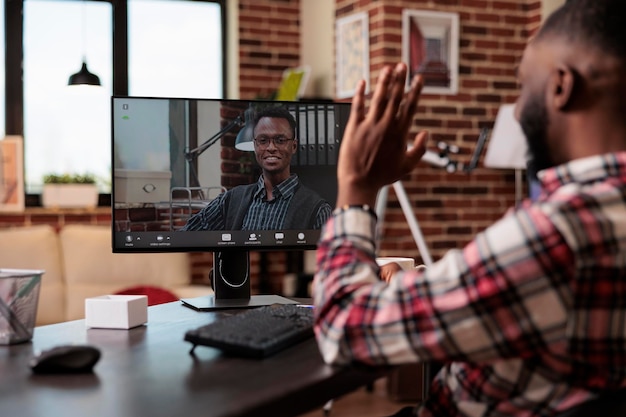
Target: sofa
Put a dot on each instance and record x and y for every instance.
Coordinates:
(79, 263)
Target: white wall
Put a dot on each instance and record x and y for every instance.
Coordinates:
(232, 49)
(548, 6)
(317, 19)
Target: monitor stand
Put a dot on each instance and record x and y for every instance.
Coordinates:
(231, 286)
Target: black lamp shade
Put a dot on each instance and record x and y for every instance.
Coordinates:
(245, 138)
(84, 77)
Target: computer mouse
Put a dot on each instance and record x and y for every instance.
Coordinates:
(66, 359)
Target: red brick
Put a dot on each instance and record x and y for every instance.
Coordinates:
(507, 5)
(479, 4)
(502, 32)
(516, 19)
(487, 17)
(474, 83)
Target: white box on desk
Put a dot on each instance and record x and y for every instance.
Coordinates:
(116, 311)
(136, 186)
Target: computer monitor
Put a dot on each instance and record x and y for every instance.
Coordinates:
(180, 163)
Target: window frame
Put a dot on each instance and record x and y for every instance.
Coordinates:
(14, 51)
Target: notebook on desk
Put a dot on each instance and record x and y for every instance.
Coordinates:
(210, 303)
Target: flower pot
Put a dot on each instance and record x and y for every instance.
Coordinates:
(69, 195)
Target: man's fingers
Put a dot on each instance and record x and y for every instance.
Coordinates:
(417, 83)
(415, 153)
(396, 93)
(358, 102)
(379, 99)
(409, 106)
(419, 146)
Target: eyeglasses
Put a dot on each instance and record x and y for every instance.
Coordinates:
(264, 141)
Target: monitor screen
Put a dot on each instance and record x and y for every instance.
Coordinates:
(225, 176)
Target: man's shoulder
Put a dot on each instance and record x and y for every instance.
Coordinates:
(305, 192)
(236, 194)
(240, 189)
(310, 198)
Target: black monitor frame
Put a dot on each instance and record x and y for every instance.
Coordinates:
(320, 127)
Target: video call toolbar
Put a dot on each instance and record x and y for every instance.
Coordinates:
(172, 240)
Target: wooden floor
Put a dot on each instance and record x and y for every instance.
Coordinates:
(363, 403)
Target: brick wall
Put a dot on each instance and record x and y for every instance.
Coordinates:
(269, 42)
(452, 207)
(56, 218)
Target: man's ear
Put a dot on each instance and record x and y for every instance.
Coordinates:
(561, 87)
(295, 146)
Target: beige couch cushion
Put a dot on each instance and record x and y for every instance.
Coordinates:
(91, 269)
(37, 247)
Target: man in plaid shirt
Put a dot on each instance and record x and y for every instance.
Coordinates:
(529, 319)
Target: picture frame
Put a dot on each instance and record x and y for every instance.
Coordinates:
(11, 174)
(430, 46)
(352, 49)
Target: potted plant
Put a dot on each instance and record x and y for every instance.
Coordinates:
(69, 191)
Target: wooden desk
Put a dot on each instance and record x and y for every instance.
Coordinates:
(148, 371)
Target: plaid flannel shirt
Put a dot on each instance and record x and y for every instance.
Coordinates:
(529, 318)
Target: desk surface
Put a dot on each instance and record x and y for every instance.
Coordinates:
(148, 371)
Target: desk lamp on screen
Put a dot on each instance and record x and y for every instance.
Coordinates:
(169, 153)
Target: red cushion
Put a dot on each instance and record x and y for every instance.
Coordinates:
(156, 295)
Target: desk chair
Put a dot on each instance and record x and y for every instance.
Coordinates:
(429, 371)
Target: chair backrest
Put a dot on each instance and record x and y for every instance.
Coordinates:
(606, 405)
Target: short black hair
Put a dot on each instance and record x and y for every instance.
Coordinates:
(279, 112)
(600, 24)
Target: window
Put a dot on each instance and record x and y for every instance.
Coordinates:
(188, 55)
(165, 48)
(66, 128)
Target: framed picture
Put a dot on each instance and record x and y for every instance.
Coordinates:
(352, 50)
(430, 46)
(11, 174)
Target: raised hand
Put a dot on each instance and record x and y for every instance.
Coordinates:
(374, 151)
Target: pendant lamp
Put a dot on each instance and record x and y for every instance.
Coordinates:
(84, 77)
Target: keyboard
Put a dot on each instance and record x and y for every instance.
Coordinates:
(256, 333)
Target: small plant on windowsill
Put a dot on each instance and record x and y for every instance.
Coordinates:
(69, 179)
(69, 191)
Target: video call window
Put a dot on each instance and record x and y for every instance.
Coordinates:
(173, 157)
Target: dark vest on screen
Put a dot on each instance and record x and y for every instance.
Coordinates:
(301, 213)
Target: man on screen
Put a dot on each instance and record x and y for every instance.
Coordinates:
(277, 200)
